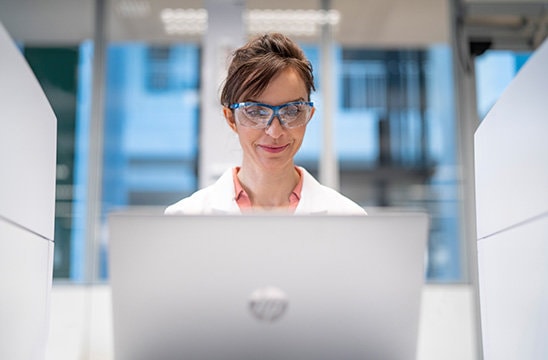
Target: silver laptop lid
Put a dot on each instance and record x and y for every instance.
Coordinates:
(266, 287)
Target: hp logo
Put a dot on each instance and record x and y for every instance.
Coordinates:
(268, 304)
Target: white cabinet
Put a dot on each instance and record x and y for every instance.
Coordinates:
(25, 279)
(28, 131)
(27, 202)
(513, 268)
(511, 150)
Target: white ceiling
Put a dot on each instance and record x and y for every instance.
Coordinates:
(382, 23)
(364, 23)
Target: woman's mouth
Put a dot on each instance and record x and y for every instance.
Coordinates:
(273, 148)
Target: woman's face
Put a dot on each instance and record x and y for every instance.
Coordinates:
(272, 148)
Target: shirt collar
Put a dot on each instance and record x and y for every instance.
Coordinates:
(244, 202)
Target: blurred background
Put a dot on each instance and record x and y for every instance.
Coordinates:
(393, 107)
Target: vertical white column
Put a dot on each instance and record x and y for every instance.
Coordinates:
(96, 135)
(219, 146)
(467, 123)
(329, 166)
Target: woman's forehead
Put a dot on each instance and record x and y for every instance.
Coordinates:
(285, 86)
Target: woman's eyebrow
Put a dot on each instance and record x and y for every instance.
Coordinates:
(262, 102)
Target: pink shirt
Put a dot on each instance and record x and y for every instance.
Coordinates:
(244, 202)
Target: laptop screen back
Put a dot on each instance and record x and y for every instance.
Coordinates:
(266, 287)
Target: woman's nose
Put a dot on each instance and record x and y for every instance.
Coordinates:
(275, 129)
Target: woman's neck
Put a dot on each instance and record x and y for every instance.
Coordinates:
(269, 189)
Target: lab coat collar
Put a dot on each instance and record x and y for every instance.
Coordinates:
(308, 201)
(223, 204)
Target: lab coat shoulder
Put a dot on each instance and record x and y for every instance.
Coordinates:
(320, 199)
(216, 198)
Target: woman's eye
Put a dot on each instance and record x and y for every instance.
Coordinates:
(292, 111)
(256, 112)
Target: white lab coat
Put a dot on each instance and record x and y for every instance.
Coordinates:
(219, 198)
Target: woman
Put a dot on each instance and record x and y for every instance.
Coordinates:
(266, 102)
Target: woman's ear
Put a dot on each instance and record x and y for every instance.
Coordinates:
(229, 117)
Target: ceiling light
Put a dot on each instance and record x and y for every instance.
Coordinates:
(133, 9)
(184, 21)
(290, 22)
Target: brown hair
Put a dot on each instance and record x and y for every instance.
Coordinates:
(255, 64)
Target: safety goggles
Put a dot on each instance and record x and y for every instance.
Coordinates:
(260, 116)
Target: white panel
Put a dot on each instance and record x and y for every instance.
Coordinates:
(447, 325)
(512, 151)
(514, 292)
(25, 283)
(70, 315)
(224, 34)
(27, 144)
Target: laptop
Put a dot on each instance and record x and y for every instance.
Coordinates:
(268, 287)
